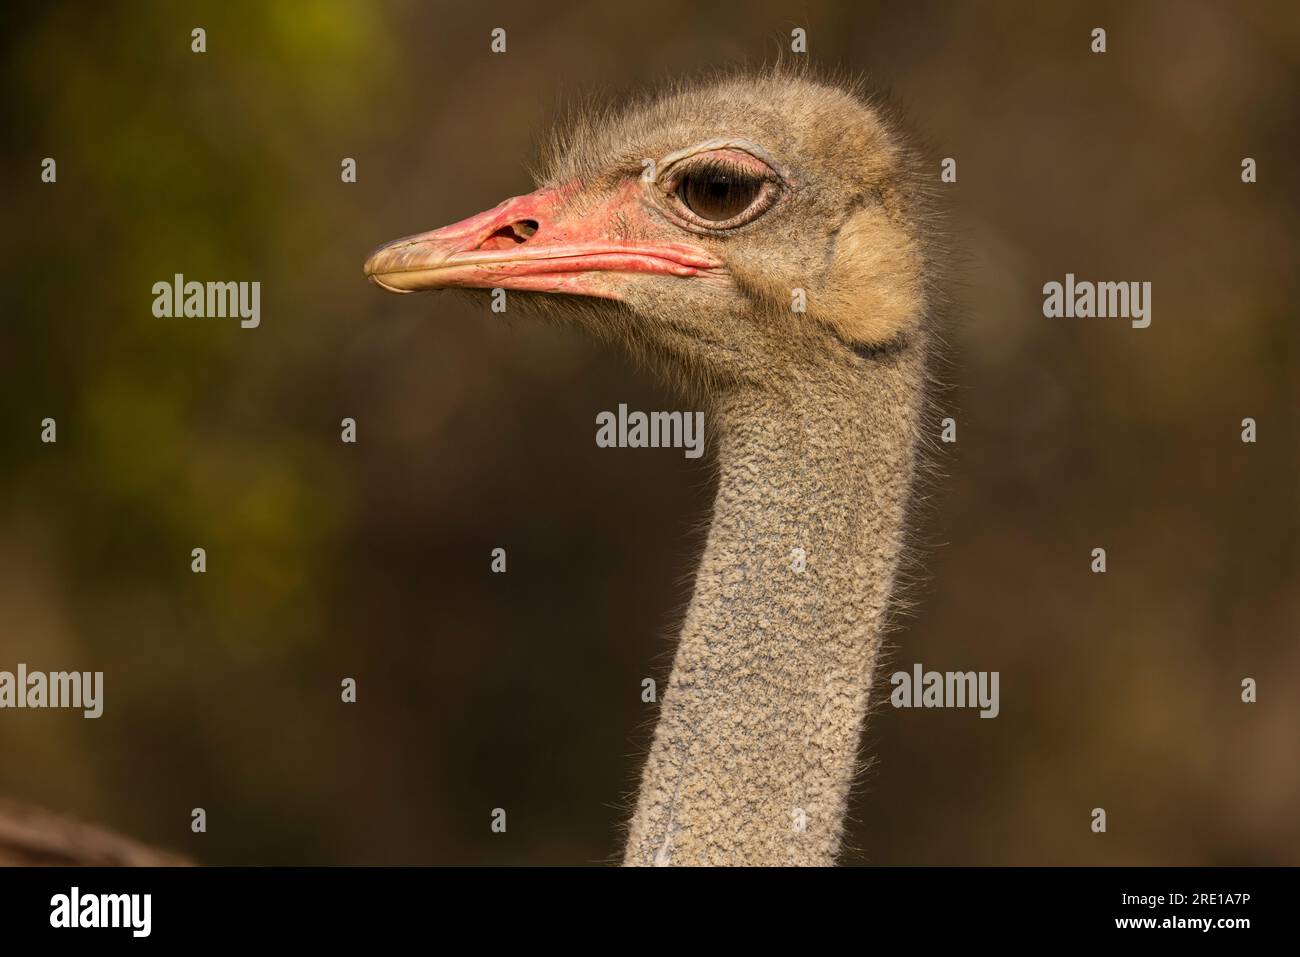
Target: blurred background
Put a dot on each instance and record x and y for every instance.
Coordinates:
(522, 691)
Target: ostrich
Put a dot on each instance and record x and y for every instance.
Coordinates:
(762, 241)
(33, 837)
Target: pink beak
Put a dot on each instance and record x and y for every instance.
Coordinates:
(534, 243)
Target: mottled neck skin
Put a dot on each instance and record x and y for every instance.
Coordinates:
(757, 742)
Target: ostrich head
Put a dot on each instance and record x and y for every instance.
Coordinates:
(760, 240)
(738, 231)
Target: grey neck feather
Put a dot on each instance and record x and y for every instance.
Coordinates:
(757, 742)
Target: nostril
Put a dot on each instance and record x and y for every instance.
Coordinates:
(512, 234)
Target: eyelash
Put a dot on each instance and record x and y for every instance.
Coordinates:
(717, 167)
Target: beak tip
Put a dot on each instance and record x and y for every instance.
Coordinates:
(385, 286)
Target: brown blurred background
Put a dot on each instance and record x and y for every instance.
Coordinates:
(522, 690)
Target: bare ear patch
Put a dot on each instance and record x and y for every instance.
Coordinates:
(871, 197)
(872, 288)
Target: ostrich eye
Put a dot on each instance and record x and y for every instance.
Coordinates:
(717, 195)
(714, 191)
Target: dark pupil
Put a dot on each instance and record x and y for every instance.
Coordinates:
(717, 196)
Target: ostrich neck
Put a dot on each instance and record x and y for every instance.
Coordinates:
(757, 742)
